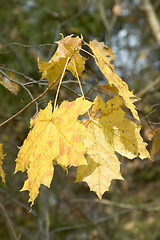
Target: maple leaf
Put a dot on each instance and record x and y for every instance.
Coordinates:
(2, 174)
(55, 136)
(112, 77)
(103, 165)
(123, 134)
(68, 47)
(109, 133)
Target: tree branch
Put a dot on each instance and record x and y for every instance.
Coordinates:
(109, 25)
(144, 207)
(148, 87)
(152, 19)
(9, 223)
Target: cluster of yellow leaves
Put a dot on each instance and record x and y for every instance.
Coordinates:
(2, 174)
(109, 133)
(90, 145)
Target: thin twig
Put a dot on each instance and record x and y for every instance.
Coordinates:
(25, 45)
(28, 105)
(152, 19)
(22, 85)
(12, 199)
(19, 236)
(18, 58)
(19, 83)
(105, 20)
(53, 48)
(108, 24)
(9, 223)
(26, 234)
(146, 207)
(19, 73)
(148, 87)
(43, 216)
(79, 82)
(99, 221)
(75, 16)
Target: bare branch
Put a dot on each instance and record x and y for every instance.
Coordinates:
(34, 100)
(99, 221)
(27, 46)
(9, 223)
(22, 85)
(19, 73)
(146, 207)
(17, 56)
(28, 105)
(152, 19)
(14, 200)
(148, 87)
(107, 24)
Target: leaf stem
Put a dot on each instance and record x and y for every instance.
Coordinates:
(55, 101)
(79, 82)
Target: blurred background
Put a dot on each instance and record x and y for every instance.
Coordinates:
(69, 211)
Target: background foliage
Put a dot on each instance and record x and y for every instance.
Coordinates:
(130, 209)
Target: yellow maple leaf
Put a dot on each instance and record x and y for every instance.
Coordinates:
(103, 165)
(55, 136)
(123, 134)
(2, 174)
(112, 77)
(68, 47)
(109, 133)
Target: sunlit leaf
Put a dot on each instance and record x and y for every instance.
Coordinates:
(123, 134)
(112, 77)
(55, 135)
(108, 134)
(103, 165)
(68, 47)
